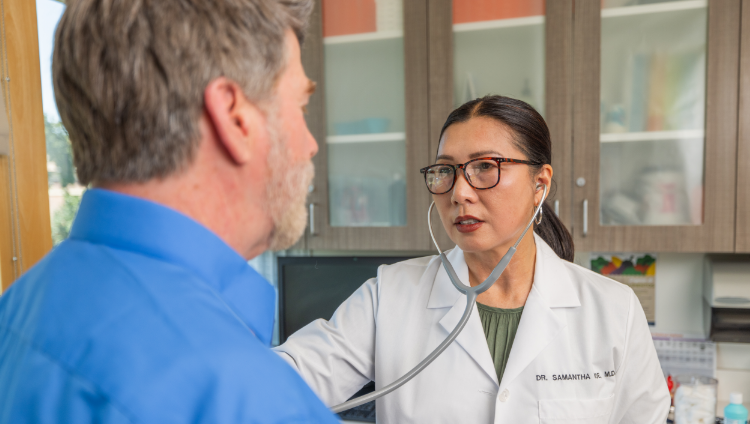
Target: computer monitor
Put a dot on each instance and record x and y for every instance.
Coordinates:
(313, 287)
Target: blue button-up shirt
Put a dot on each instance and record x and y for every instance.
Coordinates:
(144, 316)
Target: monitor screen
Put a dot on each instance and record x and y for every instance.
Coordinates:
(313, 287)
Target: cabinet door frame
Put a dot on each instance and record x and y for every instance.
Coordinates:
(25, 230)
(415, 235)
(440, 47)
(742, 243)
(558, 64)
(716, 234)
(559, 103)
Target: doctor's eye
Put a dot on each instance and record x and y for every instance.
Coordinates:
(483, 167)
(444, 171)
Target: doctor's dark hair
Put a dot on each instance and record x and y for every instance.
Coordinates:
(531, 137)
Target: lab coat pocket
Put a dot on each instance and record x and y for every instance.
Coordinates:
(575, 411)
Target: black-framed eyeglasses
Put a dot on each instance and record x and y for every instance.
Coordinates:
(480, 173)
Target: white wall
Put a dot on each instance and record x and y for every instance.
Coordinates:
(679, 293)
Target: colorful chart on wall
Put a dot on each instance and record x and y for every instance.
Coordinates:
(636, 270)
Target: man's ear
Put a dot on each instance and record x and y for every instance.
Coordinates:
(238, 122)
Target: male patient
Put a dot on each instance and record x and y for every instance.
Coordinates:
(186, 118)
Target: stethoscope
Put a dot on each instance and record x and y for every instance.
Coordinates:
(471, 298)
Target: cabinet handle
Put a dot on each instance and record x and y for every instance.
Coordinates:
(557, 208)
(312, 219)
(585, 217)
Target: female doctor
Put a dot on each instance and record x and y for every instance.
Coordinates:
(549, 342)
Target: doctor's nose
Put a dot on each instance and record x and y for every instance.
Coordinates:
(462, 191)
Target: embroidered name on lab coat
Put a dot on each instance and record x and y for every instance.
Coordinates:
(559, 377)
(556, 377)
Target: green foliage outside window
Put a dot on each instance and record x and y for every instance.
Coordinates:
(62, 175)
(59, 152)
(63, 218)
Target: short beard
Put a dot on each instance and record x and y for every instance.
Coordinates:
(286, 193)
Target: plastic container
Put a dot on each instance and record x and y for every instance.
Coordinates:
(735, 413)
(695, 399)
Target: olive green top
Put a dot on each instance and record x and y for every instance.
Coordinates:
(500, 326)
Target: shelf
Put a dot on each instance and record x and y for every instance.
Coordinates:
(648, 9)
(651, 136)
(365, 138)
(500, 23)
(363, 37)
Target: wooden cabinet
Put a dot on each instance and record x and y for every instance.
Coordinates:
(642, 103)
(522, 53)
(449, 56)
(742, 240)
(369, 115)
(654, 153)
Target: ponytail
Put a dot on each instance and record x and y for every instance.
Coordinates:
(531, 136)
(554, 233)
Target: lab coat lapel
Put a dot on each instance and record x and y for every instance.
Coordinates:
(444, 295)
(542, 319)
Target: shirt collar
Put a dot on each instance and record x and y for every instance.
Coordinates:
(133, 224)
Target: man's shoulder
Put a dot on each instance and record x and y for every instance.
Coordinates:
(32, 384)
(149, 336)
(115, 304)
(79, 285)
(66, 275)
(223, 384)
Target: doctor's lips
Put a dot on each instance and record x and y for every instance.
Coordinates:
(467, 223)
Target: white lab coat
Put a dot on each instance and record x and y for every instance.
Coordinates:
(583, 352)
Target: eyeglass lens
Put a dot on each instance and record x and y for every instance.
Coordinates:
(480, 174)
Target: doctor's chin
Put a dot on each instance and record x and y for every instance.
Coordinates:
(374, 211)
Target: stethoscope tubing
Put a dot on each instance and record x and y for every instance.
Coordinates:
(471, 297)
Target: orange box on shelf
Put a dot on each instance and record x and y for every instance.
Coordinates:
(342, 17)
(489, 10)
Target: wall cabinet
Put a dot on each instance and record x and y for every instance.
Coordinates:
(369, 116)
(642, 101)
(522, 52)
(655, 125)
(742, 240)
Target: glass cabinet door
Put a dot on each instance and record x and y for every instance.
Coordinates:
(498, 48)
(508, 48)
(652, 112)
(370, 118)
(364, 101)
(655, 124)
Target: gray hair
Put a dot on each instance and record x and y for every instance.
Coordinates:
(129, 75)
